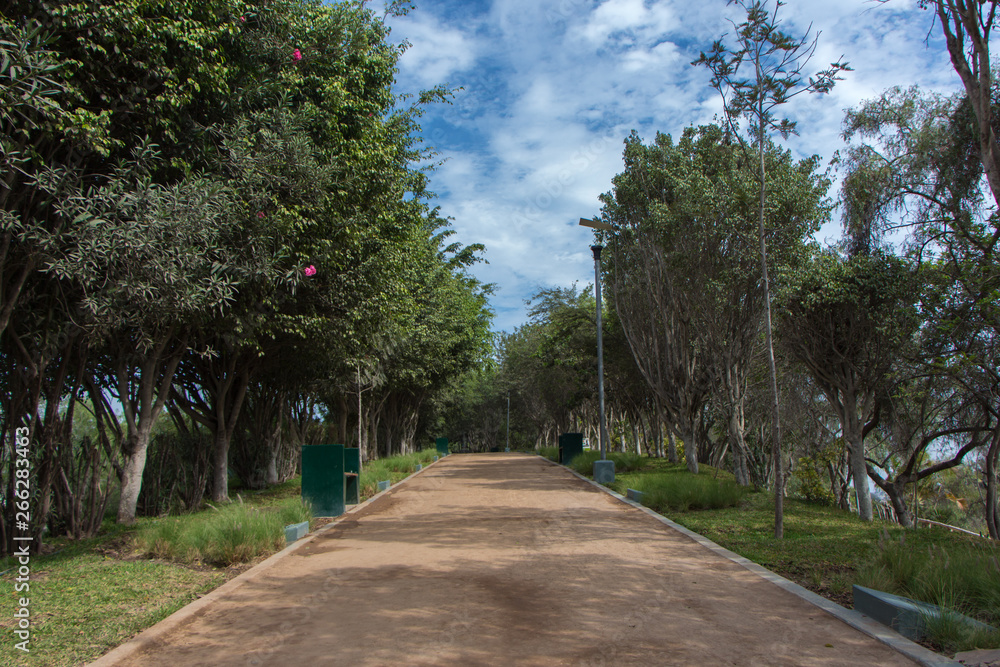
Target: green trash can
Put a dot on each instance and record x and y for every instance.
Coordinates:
(352, 475)
(442, 446)
(323, 479)
(570, 446)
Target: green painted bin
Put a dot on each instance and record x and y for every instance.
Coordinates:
(442, 446)
(323, 479)
(570, 446)
(352, 475)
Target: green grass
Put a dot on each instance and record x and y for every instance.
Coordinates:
(394, 469)
(826, 550)
(624, 461)
(688, 492)
(230, 535)
(84, 603)
(551, 453)
(963, 576)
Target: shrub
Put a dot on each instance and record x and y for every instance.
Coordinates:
(233, 534)
(683, 492)
(624, 461)
(810, 483)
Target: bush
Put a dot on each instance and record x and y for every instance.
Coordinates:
(683, 492)
(624, 461)
(810, 483)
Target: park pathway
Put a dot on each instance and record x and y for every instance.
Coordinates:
(501, 559)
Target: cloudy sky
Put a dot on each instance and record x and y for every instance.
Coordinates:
(551, 88)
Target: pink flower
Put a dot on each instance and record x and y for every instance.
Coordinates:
(243, 19)
(296, 55)
(260, 214)
(310, 270)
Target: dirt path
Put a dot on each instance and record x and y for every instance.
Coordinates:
(504, 559)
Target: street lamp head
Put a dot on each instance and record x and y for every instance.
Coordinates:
(596, 224)
(596, 249)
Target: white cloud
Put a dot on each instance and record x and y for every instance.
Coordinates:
(553, 88)
(437, 51)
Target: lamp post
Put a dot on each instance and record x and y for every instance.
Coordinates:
(606, 467)
(508, 421)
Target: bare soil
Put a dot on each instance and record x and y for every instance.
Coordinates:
(503, 559)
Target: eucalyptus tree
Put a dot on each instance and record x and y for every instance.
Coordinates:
(778, 61)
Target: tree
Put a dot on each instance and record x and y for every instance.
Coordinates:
(915, 161)
(778, 62)
(847, 321)
(682, 268)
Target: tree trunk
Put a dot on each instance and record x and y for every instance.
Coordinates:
(992, 507)
(690, 450)
(738, 449)
(897, 496)
(135, 463)
(851, 423)
(220, 466)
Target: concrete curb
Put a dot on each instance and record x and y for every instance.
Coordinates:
(856, 620)
(153, 633)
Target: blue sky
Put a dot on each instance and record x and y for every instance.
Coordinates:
(551, 88)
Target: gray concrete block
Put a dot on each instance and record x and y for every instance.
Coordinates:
(903, 615)
(382, 486)
(604, 471)
(419, 467)
(296, 531)
(632, 494)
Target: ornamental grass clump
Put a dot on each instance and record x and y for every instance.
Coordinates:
(225, 536)
(963, 578)
(681, 493)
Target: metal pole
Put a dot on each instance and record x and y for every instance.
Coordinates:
(600, 349)
(508, 421)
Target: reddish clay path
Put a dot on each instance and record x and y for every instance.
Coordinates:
(503, 559)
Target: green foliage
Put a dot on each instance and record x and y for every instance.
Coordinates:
(964, 577)
(236, 533)
(551, 453)
(624, 461)
(810, 479)
(393, 468)
(683, 492)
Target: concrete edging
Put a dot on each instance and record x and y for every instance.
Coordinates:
(153, 633)
(856, 620)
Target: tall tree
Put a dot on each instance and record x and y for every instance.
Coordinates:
(915, 162)
(778, 61)
(847, 321)
(682, 267)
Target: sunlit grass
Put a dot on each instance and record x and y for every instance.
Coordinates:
(232, 534)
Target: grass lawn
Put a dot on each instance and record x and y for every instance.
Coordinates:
(88, 597)
(827, 550)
